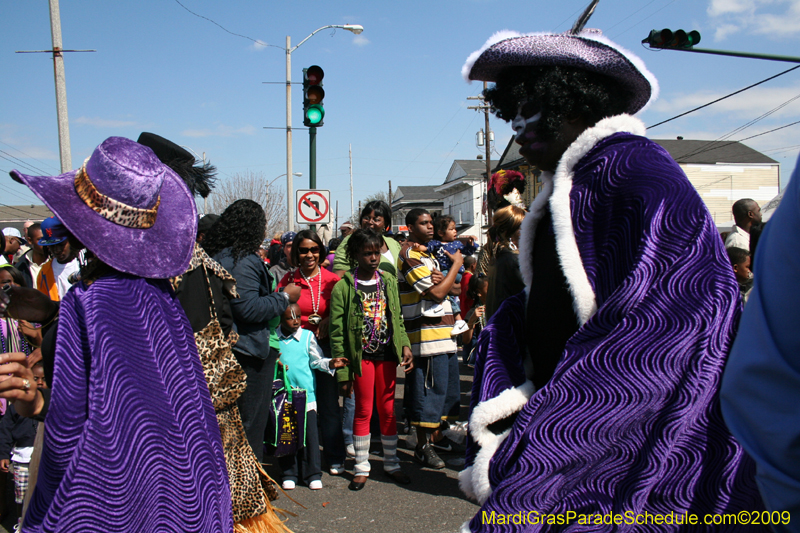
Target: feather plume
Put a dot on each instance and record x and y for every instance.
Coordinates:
(583, 19)
(199, 178)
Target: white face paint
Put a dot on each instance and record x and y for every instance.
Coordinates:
(520, 123)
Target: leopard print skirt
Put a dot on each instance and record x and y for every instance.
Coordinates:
(252, 510)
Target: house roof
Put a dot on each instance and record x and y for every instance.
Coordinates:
(416, 193)
(712, 152)
(15, 216)
(472, 168)
(511, 156)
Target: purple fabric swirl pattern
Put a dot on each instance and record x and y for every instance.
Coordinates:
(631, 419)
(132, 440)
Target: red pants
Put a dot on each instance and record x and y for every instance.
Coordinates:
(375, 384)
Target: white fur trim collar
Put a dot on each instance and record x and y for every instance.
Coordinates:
(556, 191)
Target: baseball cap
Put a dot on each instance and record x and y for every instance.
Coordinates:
(288, 237)
(53, 232)
(14, 232)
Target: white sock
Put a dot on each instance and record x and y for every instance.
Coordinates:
(361, 444)
(390, 460)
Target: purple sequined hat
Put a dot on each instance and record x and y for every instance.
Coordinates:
(126, 206)
(587, 50)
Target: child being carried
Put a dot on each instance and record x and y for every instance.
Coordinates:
(444, 228)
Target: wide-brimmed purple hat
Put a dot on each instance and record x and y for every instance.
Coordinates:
(587, 50)
(127, 207)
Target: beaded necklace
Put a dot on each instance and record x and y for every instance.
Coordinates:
(6, 341)
(371, 343)
(314, 319)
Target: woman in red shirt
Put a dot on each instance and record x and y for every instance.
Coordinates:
(316, 284)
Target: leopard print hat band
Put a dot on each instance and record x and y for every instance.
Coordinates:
(110, 209)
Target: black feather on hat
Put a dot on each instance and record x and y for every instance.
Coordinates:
(199, 178)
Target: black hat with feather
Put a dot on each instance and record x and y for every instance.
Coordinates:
(198, 176)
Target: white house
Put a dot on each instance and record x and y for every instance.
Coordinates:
(463, 195)
(723, 172)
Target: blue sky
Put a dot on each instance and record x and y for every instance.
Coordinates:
(394, 92)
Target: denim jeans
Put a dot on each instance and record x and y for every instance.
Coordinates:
(254, 403)
(349, 416)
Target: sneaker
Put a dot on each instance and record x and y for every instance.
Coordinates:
(446, 445)
(315, 485)
(426, 456)
(336, 470)
(351, 450)
(288, 484)
(459, 328)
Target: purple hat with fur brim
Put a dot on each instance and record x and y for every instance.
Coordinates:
(127, 207)
(588, 50)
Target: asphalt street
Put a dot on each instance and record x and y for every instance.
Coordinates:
(432, 503)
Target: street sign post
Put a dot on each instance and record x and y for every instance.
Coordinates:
(313, 206)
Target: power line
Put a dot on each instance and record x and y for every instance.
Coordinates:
(262, 43)
(708, 146)
(21, 162)
(30, 157)
(26, 213)
(18, 195)
(724, 97)
(647, 17)
(629, 16)
(569, 17)
(770, 131)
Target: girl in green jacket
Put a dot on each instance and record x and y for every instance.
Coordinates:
(367, 328)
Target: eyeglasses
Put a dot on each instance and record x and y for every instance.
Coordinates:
(304, 251)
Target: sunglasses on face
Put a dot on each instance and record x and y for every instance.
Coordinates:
(304, 251)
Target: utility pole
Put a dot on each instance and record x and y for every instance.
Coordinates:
(289, 184)
(61, 88)
(390, 202)
(61, 84)
(487, 142)
(336, 221)
(351, 182)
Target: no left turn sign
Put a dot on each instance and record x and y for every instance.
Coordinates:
(313, 206)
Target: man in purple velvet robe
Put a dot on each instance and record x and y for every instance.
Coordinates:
(596, 390)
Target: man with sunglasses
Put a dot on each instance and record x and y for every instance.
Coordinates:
(53, 278)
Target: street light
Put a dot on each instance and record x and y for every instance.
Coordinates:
(356, 29)
(298, 174)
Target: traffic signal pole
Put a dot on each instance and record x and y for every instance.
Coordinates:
(771, 57)
(312, 162)
(684, 41)
(312, 158)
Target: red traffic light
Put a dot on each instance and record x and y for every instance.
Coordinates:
(314, 75)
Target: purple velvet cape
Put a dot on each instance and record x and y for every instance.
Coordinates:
(132, 441)
(630, 420)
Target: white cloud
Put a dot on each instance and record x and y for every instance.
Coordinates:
(748, 104)
(258, 46)
(360, 40)
(773, 18)
(104, 123)
(717, 8)
(724, 30)
(220, 131)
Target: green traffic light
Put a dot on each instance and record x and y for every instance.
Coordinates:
(315, 114)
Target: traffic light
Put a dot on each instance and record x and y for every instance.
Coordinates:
(313, 94)
(669, 39)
